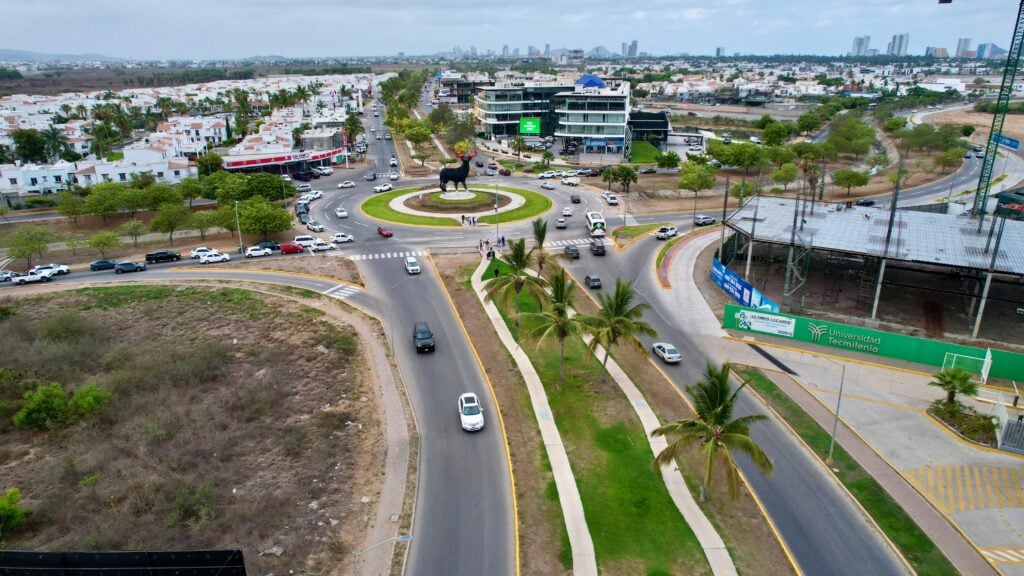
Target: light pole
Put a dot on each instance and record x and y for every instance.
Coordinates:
(355, 554)
(238, 226)
(835, 420)
(496, 217)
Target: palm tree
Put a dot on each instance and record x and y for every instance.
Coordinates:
(518, 279)
(53, 141)
(715, 430)
(547, 157)
(352, 127)
(556, 320)
(954, 381)
(518, 146)
(610, 176)
(540, 233)
(626, 175)
(618, 320)
(81, 111)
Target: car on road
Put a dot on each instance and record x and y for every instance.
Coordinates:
(269, 244)
(755, 140)
(865, 202)
(547, 186)
(703, 220)
(379, 137)
(8, 275)
(691, 113)
(572, 252)
(422, 337)
(647, 171)
(51, 269)
(489, 172)
(102, 265)
(571, 181)
(393, 162)
(382, 188)
(162, 256)
(412, 265)
(342, 238)
(666, 232)
(123, 267)
(370, 176)
(667, 352)
(303, 188)
(326, 170)
(256, 252)
(316, 194)
(471, 415)
(479, 163)
(304, 218)
(291, 248)
(561, 223)
(545, 175)
(214, 257)
(575, 198)
(197, 252)
(304, 240)
(591, 281)
(384, 232)
(321, 246)
(286, 178)
(505, 172)
(301, 208)
(315, 226)
(393, 176)
(492, 165)
(597, 247)
(31, 277)
(347, 184)
(612, 200)
(567, 211)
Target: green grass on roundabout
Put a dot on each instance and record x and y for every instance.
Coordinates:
(378, 207)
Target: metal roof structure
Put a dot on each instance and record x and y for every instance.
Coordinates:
(922, 237)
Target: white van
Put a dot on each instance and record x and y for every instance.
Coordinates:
(412, 265)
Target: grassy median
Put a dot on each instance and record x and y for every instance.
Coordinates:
(915, 545)
(378, 207)
(536, 204)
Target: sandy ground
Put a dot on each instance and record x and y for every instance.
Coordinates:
(1013, 126)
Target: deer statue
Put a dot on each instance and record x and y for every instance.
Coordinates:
(459, 174)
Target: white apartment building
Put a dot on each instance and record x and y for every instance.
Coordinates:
(18, 180)
(595, 115)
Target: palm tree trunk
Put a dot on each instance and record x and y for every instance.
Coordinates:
(707, 479)
(604, 365)
(517, 309)
(561, 360)
(951, 397)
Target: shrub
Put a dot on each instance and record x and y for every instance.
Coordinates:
(67, 327)
(331, 337)
(12, 516)
(294, 443)
(40, 202)
(255, 402)
(85, 401)
(193, 507)
(46, 407)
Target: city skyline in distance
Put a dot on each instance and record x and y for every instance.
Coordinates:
(234, 29)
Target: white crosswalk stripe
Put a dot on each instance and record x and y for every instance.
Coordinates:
(341, 291)
(385, 255)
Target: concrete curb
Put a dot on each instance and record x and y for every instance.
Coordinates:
(584, 561)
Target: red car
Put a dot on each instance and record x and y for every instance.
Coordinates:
(290, 248)
(384, 232)
(505, 172)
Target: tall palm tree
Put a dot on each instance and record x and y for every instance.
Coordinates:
(715, 430)
(954, 381)
(518, 146)
(626, 175)
(609, 175)
(540, 234)
(619, 319)
(53, 142)
(546, 158)
(557, 321)
(518, 279)
(352, 127)
(81, 111)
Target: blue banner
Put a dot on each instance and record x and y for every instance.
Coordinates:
(1007, 141)
(740, 290)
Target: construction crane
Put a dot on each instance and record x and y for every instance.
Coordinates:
(999, 114)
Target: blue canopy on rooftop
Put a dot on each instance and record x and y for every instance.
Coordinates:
(590, 81)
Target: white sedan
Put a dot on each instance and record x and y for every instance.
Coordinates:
(547, 186)
(256, 252)
(321, 246)
(316, 194)
(471, 415)
(198, 252)
(214, 257)
(666, 352)
(347, 184)
(567, 211)
(382, 188)
(340, 212)
(342, 238)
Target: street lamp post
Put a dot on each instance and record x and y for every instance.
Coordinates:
(496, 217)
(238, 226)
(355, 554)
(835, 420)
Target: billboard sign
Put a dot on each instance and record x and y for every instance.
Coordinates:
(741, 291)
(529, 125)
(1007, 141)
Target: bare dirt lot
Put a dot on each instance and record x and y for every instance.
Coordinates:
(330, 264)
(982, 122)
(235, 419)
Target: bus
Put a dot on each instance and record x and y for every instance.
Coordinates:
(596, 224)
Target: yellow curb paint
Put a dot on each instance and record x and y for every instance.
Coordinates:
(266, 271)
(494, 398)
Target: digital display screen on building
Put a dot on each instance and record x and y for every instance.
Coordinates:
(529, 125)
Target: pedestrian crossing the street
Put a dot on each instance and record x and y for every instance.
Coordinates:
(962, 487)
(341, 291)
(387, 255)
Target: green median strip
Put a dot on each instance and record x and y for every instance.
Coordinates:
(536, 204)
(664, 250)
(915, 545)
(378, 207)
(623, 235)
(635, 526)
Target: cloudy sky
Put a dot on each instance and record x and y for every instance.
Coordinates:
(152, 29)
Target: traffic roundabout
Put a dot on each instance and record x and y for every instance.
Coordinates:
(432, 207)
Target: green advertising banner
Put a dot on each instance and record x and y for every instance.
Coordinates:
(529, 125)
(1006, 365)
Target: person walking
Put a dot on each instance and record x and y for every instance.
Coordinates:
(463, 219)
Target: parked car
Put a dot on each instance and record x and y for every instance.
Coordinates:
(479, 163)
(214, 257)
(471, 416)
(647, 171)
(197, 252)
(865, 202)
(703, 220)
(340, 212)
(412, 265)
(489, 172)
(291, 248)
(575, 198)
(163, 256)
(560, 223)
(315, 226)
(347, 184)
(326, 170)
(304, 218)
(9, 275)
(303, 188)
(304, 240)
(316, 194)
(666, 232)
(545, 175)
(547, 186)
(597, 247)
(52, 269)
(301, 209)
(382, 188)
(321, 246)
(591, 281)
(342, 238)
(666, 352)
(102, 265)
(123, 267)
(572, 252)
(384, 232)
(269, 244)
(505, 172)
(422, 337)
(256, 252)
(31, 277)
(612, 200)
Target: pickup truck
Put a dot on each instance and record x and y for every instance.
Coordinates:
(666, 232)
(40, 276)
(163, 256)
(571, 181)
(50, 269)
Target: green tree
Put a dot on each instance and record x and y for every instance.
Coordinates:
(86, 401)
(618, 320)
(808, 122)
(133, 229)
(847, 178)
(104, 199)
(54, 143)
(548, 156)
(45, 408)
(785, 174)
(668, 160)
(28, 240)
(894, 124)
(540, 235)
(696, 177)
(156, 195)
(900, 176)
(519, 146)
(966, 130)
(626, 175)
(441, 117)
(879, 161)
(142, 180)
(209, 163)
(417, 135)
(12, 515)
(954, 381)
(269, 186)
(190, 189)
(226, 218)
(461, 129)
(510, 286)
(352, 127)
(258, 216)
(70, 205)
(422, 157)
(103, 241)
(715, 430)
(232, 188)
(764, 121)
(556, 319)
(203, 221)
(170, 218)
(949, 159)
(779, 155)
(775, 134)
(29, 145)
(133, 200)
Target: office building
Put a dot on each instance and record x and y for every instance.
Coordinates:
(632, 49)
(498, 108)
(936, 52)
(547, 50)
(962, 46)
(595, 115)
(861, 45)
(504, 51)
(625, 50)
(898, 45)
(515, 52)
(988, 51)
(719, 52)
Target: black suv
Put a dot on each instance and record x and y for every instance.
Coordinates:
(572, 252)
(597, 247)
(422, 337)
(163, 256)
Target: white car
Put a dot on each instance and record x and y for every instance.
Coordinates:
(342, 238)
(304, 241)
(548, 174)
(612, 200)
(571, 181)
(321, 246)
(702, 220)
(303, 188)
(201, 251)
(340, 212)
(471, 415)
(326, 171)
(412, 265)
(51, 269)
(567, 211)
(214, 257)
(347, 184)
(666, 232)
(286, 178)
(547, 186)
(315, 226)
(382, 188)
(256, 252)
(316, 194)
(373, 129)
(561, 223)
(394, 161)
(32, 277)
(393, 176)
(666, 352)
